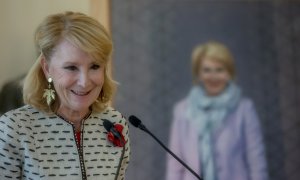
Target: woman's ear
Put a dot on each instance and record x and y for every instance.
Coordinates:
(45, 66)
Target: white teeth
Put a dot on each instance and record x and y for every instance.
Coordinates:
(80, 93)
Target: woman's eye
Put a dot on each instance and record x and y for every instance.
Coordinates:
(71, 68)
(95, 66)
(206, 70)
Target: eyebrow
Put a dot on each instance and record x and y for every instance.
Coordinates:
(70, 63)
(75, 63)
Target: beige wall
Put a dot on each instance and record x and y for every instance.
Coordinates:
(18, 20)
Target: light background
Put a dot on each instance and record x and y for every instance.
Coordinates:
(18, 21)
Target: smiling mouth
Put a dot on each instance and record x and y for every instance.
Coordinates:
(80, 93)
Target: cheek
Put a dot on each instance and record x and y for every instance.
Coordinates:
(55, 73)
(62, 80)
(214, 82)
(221, 77)
(98, 79)
(225, 78)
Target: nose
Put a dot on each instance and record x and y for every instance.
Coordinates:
(83, 79)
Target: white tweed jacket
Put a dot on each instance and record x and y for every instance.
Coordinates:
(35, 145)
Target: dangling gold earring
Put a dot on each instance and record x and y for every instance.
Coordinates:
(49, 93)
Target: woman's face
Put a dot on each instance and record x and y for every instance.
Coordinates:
(214, 76)
(77, 78)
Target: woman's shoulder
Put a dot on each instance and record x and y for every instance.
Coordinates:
(246, 102)
(24, 115)
(245, 107)
(25, 110)
(17, 119)
(179, 110)
(112, 115)
(21, 112)
(181, 104)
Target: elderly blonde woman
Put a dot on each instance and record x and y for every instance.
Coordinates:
(59, 133)
(215, 128)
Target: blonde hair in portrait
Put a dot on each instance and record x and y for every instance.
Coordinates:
(84, 32)
(212, 50)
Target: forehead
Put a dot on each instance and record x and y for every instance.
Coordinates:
(211, 62)
(66, 51)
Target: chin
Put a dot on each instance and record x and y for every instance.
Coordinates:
(214, 92)
(81, 107)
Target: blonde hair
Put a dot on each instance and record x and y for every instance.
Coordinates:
(84, 32)
(215, 51)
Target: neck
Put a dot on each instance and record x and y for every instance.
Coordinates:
(74, 117)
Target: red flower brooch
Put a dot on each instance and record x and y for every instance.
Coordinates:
(115, 135)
